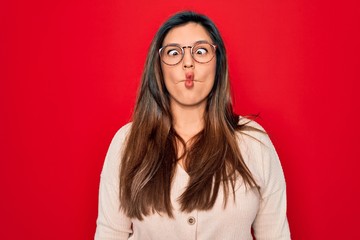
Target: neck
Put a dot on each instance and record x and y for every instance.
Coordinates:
(188, 120)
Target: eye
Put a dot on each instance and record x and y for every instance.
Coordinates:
(201, 51)
(173, 52)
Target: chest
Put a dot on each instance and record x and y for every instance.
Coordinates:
(232, 221)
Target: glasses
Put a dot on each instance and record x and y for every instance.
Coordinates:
(201, 52)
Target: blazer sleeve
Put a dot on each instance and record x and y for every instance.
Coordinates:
(112, 223)
(271, 221)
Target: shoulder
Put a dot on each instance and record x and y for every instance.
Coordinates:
(121, 134)
(119, 138)
(251, 131)
(113, 155)
(260, 155)
(250, 122)
(253, 136)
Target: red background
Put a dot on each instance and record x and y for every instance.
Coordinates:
(68, 80)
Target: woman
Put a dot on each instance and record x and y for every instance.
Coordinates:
(187, 167)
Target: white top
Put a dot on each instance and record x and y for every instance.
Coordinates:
(265, 214)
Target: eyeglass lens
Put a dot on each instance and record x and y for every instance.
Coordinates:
(173, 54)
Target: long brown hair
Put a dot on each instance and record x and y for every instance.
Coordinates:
(150, 155)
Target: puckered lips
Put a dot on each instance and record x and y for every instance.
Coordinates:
(189, 80)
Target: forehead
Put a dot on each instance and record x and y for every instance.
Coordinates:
(187, 34)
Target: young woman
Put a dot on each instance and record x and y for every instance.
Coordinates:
(187, 167)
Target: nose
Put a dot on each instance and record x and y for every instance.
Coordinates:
(188, 61)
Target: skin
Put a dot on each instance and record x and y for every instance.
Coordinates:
(188, 100)
(188, 83)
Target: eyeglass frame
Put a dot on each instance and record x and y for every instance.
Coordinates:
(191, 51)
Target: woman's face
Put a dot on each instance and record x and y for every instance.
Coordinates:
(188, 82)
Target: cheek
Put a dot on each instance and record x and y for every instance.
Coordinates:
(166, 76)
(208, 73)
(169, 75)
(211, 68)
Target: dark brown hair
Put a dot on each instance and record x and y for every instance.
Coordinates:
(150, 155)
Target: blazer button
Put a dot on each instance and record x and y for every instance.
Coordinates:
(191, 220)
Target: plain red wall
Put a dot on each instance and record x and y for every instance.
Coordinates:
(68, 80)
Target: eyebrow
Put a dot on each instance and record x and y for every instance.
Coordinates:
(178, 44)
